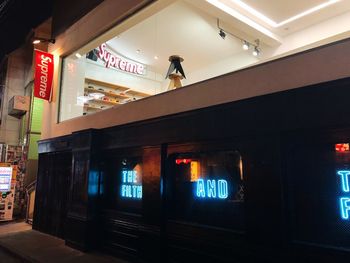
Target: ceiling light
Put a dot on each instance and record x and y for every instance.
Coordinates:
(155, 57)
(256, 52)
(138, 51)
(38, 40)
(222, 34)
(245, 45)
(293, 18)
(244, 19)
(77, 55)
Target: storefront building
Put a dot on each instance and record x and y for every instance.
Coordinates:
(168, 140)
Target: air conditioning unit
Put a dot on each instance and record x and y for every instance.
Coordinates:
(18, 106)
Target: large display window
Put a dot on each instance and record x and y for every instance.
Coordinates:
(319, 193)
(207, 188)
(122, 185)
(175, 47)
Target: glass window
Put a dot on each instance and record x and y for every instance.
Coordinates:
(122, 185)
(319, 193)
(178, 46)
(207, 188)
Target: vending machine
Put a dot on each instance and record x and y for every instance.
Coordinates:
(7, 190)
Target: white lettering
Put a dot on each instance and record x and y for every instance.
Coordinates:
(44, 68)
(118, 62)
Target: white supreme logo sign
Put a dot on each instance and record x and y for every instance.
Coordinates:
(119, 62)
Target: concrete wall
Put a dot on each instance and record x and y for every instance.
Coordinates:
(15, 83)
(311, 67)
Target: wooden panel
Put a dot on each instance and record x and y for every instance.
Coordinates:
(52, 193)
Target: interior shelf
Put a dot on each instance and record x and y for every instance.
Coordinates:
(107, 93)
(113, 95)
(105, 84)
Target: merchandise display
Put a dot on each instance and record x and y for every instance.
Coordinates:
(102, 95)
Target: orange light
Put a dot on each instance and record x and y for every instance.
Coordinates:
(342, 147)
(195, 171)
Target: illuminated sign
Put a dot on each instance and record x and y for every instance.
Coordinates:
(344, 201)
(342, 147)
(212, 189)
(5, 179)
(119, 62)
(184, 161)
(44, 67)
(130, 187)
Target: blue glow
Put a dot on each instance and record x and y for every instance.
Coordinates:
(345, 207)
(130, 188)
(222, 189)
(212, 189)
(344, 180)
(200, 188)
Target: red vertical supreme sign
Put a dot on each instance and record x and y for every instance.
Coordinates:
(43, 75)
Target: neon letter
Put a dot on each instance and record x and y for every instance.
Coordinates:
(123, 190)
(134, 177)
(124, 176)
(222, 189)
(211, 188)
(200, 188)
(344, 180)
(345, 207)
(139, 192)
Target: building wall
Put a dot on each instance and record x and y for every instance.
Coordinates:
(311, 67)
(15, 83)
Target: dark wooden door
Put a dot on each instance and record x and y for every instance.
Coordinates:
(52, 192)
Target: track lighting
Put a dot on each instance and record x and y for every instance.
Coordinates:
(245, 44)
(222, 34)
(256, 51)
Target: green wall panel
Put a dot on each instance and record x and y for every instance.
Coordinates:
(37, 115)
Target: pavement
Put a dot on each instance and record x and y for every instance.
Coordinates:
(20, 243)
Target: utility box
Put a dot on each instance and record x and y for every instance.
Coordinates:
(18, 106)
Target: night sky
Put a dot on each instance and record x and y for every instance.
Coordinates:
(17, 18)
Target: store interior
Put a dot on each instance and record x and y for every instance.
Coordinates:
(207, 40)
(179, 29)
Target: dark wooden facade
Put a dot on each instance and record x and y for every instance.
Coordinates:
(290, 211)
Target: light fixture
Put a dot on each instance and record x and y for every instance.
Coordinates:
(222, 34)
(38, 40)
(155, 57)
(77, 55)
(245, 45)
(138, 51)
(272, 23)
(256, 51)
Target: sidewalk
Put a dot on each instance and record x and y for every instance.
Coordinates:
(29, 245)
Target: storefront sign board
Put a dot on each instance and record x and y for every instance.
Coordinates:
(44, 67)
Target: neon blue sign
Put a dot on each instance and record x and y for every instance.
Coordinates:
(130, 187)
(344, 180)
(344, 201)
(212, 189)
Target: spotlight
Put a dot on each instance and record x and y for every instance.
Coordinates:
(222, 34)
(245, 45)
(256, 52)
(38, 40)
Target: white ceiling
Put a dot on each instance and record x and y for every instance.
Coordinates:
(179, 29)
(189, 28)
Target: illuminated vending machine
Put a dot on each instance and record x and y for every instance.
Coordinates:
(7, 191)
